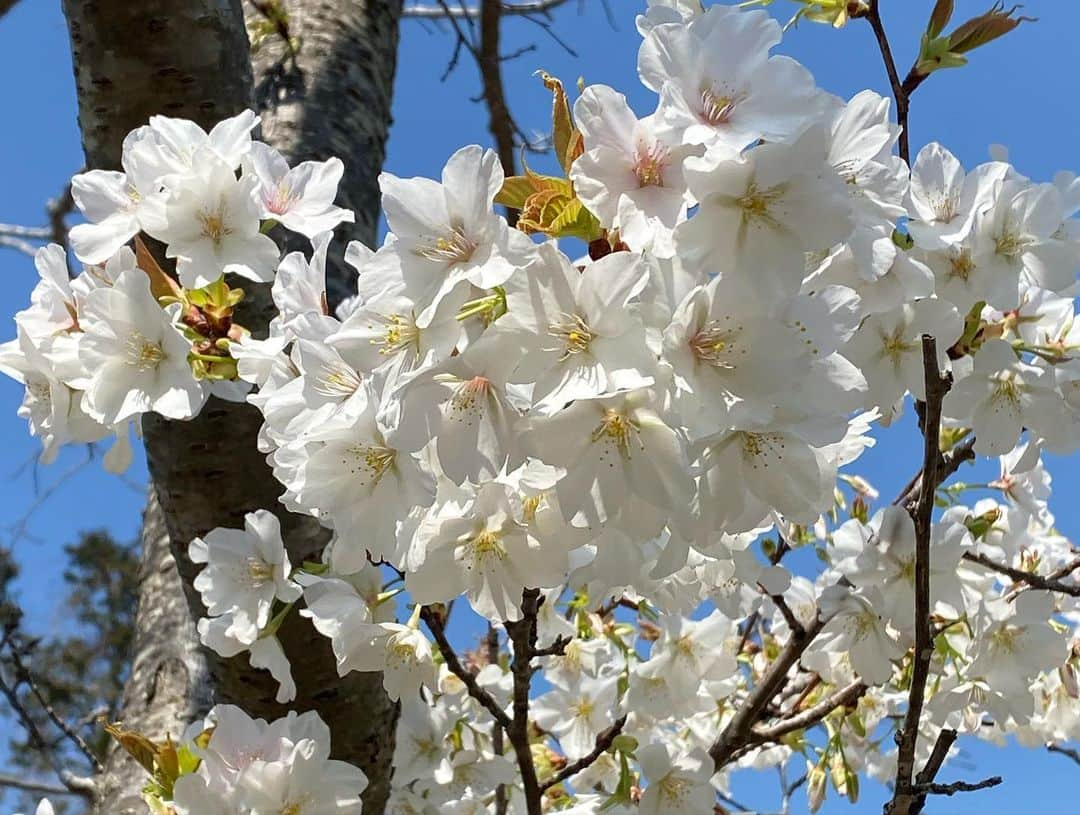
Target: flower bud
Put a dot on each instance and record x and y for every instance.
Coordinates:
(997, 22)
(815, 788)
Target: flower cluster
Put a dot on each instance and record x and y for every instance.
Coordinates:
(650, 426)
(248, 767)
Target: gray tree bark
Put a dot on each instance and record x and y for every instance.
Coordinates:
(190, 58)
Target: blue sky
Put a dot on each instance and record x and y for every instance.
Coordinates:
(1019, 92)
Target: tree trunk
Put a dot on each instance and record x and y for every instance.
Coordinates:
(190, 58)
(167, 688)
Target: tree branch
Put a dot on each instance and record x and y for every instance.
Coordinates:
(900, 94)
(23, 675)
(77, 785)
(486, 700)
(1019, 575)
(420, 11)
(845, 697)
(490, 65)
(491, 647)
(603, 744)
(523, 634)
(945, 740)
(960, 786)
(738, 732)
(28, 785)
(961, 453)
(1068, 752)
(936, 386)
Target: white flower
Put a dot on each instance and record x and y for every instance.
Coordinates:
(181, 141)
(943, 200)
(678, 784)
(52, 409)
(689, 652)
(578, 714)
(300, 198)
(407, 662)
(117, 205)
(581, 338)
(463, 404)
(763, 211)
(667, 11)
(420, 744)
(731, 354)
(614, 450)
(718, 85)
(748, 472)
(305, 782)
(212, 226)
(883, 556)
(479, 545)
(1003, 395)
(265, 652)
(1016, 240)
(446, 235)
(1017, 643)
(53, 310)
(383, 328)
(193, 796)
(135, 360)
(362, 483)
(299, 289)
(888, 349)
(857, 626)
(624, 156)
(246, 571)
(44, 807)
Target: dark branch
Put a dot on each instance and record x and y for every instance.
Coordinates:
(739, 731)
(77, 785)
(845, 697)
(936, 386)
(23, 675)
(960, 786)
(523, 635)
(603, 744)
(1068, 752)
(945, 740)
(1020, 576)
(507, 9)
(900, 94)
(487, 701)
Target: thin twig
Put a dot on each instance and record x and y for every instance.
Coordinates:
(603, 743)
(960, 786)
(424, 12)
(486, 700)
(936, 386)
(873, 16)
(29, 785)
(77, 785)
(23, 675)
(958, 455)
(1019, 575)
(845, 697)
(1068, 752)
